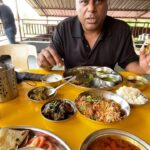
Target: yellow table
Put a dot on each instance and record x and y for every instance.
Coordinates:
(21, 111)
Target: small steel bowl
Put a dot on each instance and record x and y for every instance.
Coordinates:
(87, 105)
(136, 82)
(133, 96)
(58, 110)
(120, 135)
(52, 79)
(110, 80)
(35, 94)
(104, 70)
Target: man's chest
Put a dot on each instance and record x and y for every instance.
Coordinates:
(80, 53)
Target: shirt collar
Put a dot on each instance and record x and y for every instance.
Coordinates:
(77, 28)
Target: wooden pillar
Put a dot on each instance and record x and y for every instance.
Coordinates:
(47, 31)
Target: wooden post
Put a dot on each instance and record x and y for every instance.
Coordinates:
(47, 31)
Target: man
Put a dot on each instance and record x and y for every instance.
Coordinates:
(92, 38)
(8, 21)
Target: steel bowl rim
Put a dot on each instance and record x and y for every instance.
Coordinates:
(111, 131)
(134, 104)
(60, 121)
(43, 79)
(33, 100)
(104, 92)
(50, 133)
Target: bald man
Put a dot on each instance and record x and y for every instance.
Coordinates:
(93, 38)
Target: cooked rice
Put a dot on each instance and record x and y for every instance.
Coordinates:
(132, 95)
(100, 109)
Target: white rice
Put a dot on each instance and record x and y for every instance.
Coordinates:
(132, 95)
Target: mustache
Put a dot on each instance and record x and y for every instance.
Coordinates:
(91, 17)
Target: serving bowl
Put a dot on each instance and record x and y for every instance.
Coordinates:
(101, 139)
(41, 94)
(58, 110)
(102, 106)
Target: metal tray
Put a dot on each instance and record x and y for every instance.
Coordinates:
(94, 77)
(57, 142)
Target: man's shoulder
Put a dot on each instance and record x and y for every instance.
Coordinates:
(68, 21)
(116, 22)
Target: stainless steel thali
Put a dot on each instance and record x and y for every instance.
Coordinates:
(94, 77)
(57, 142)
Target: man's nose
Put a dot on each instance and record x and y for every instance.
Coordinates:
(91, 6)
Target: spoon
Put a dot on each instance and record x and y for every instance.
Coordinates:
(53, 90)
(68, 77)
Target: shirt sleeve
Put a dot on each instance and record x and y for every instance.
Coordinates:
(127, 54)
(57, 40)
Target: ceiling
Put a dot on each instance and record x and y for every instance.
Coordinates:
(117, 8)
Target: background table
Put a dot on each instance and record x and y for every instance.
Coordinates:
(21, 111)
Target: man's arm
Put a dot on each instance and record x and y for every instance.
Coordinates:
(53, 54)
(141, 67)
(49, 57)
(135, 67)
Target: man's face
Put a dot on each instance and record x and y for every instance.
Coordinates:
(91, 13)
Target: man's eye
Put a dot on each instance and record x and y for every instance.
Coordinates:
(96, 2)
(84, 1)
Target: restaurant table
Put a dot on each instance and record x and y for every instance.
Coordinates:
(23, 112)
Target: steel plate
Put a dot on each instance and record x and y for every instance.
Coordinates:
(94, 77)
(57, 142)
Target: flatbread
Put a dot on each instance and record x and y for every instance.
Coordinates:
(10, 139)
(30, 148)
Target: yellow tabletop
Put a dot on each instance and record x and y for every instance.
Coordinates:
(21, 111)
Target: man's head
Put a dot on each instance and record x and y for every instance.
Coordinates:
(91, 13)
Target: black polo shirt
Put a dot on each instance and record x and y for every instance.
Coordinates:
(113, 46)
